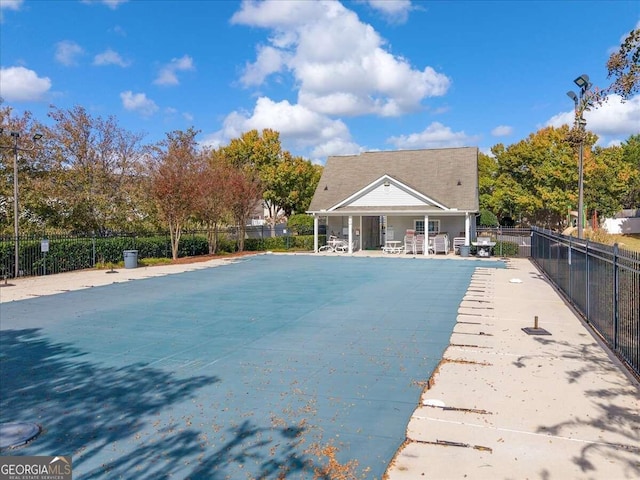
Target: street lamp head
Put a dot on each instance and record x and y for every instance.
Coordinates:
(583, 82)
(15, 134)
(573, 97)
(37, 137)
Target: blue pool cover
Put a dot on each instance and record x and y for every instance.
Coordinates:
(264, 368)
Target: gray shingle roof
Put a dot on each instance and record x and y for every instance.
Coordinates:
(434, 173)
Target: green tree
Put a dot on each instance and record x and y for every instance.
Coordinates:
(536, 178)
(609, 181)
(487, 175)
(301, 224)
(488, 219)
(631, 157)
(288, 182)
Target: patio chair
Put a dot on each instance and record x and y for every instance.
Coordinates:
(440, 244)
(342, 246)
(419, 244)
(457, 241)
(410, 242)
(330, 245)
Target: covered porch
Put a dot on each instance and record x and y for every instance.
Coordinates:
(373, 230)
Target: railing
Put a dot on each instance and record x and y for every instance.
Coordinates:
(64, 253)
(602, 282)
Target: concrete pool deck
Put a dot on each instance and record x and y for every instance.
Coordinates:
(502, 404)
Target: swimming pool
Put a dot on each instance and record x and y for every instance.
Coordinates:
(246, 370)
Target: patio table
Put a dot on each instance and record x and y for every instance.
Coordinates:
(392, 246)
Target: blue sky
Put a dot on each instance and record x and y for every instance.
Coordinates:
(332, 77)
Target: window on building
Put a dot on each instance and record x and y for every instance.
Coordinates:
(434, 226)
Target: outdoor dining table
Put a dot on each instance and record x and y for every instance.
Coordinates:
(392, 246)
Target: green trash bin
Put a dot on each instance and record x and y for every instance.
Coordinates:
(464, 250)
(130, 258)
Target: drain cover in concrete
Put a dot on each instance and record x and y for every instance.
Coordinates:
(535, 331)
(16, 434)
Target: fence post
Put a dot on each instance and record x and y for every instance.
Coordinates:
(93, 250)
(616, 293)
(570, 272)
(586, 274)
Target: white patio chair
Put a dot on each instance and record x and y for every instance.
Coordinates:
(409, 243)
(457, 241)
(440, 244)
(330, 246)
(419, 244)
(342, 246)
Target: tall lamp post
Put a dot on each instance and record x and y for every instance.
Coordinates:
(16, 227)
(581, 103)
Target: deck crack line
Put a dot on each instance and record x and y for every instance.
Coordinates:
(535, 434)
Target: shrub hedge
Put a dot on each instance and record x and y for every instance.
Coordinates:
(68, 254)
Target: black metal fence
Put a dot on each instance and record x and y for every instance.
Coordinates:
(602, 282)
(47, 254)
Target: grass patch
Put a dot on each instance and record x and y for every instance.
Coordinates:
(628, 242)
(152, 262)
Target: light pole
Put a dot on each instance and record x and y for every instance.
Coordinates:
(581, 103)
(16, 228)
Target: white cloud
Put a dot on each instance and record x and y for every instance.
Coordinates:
(396, 11)
(298, 126)
(352, 74)
(502, 131)
(613, 121)
(110, 57)
(112, 4)
(19, 84)
(118, 30)
(435, 135)
(138, 102)
(67, 53)
(167, 74)
(11, 4)
(270, 60)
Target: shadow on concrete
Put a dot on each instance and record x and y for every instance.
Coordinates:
(617, 406)
(104, 417)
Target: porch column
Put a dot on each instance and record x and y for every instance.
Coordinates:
(426, 235)
(360, 236)
(467, 226)
(350, 238)
(315, 233)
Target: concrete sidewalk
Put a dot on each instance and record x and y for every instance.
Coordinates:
(507, 405)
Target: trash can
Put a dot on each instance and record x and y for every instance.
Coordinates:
(464, 250)
(130, 258)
